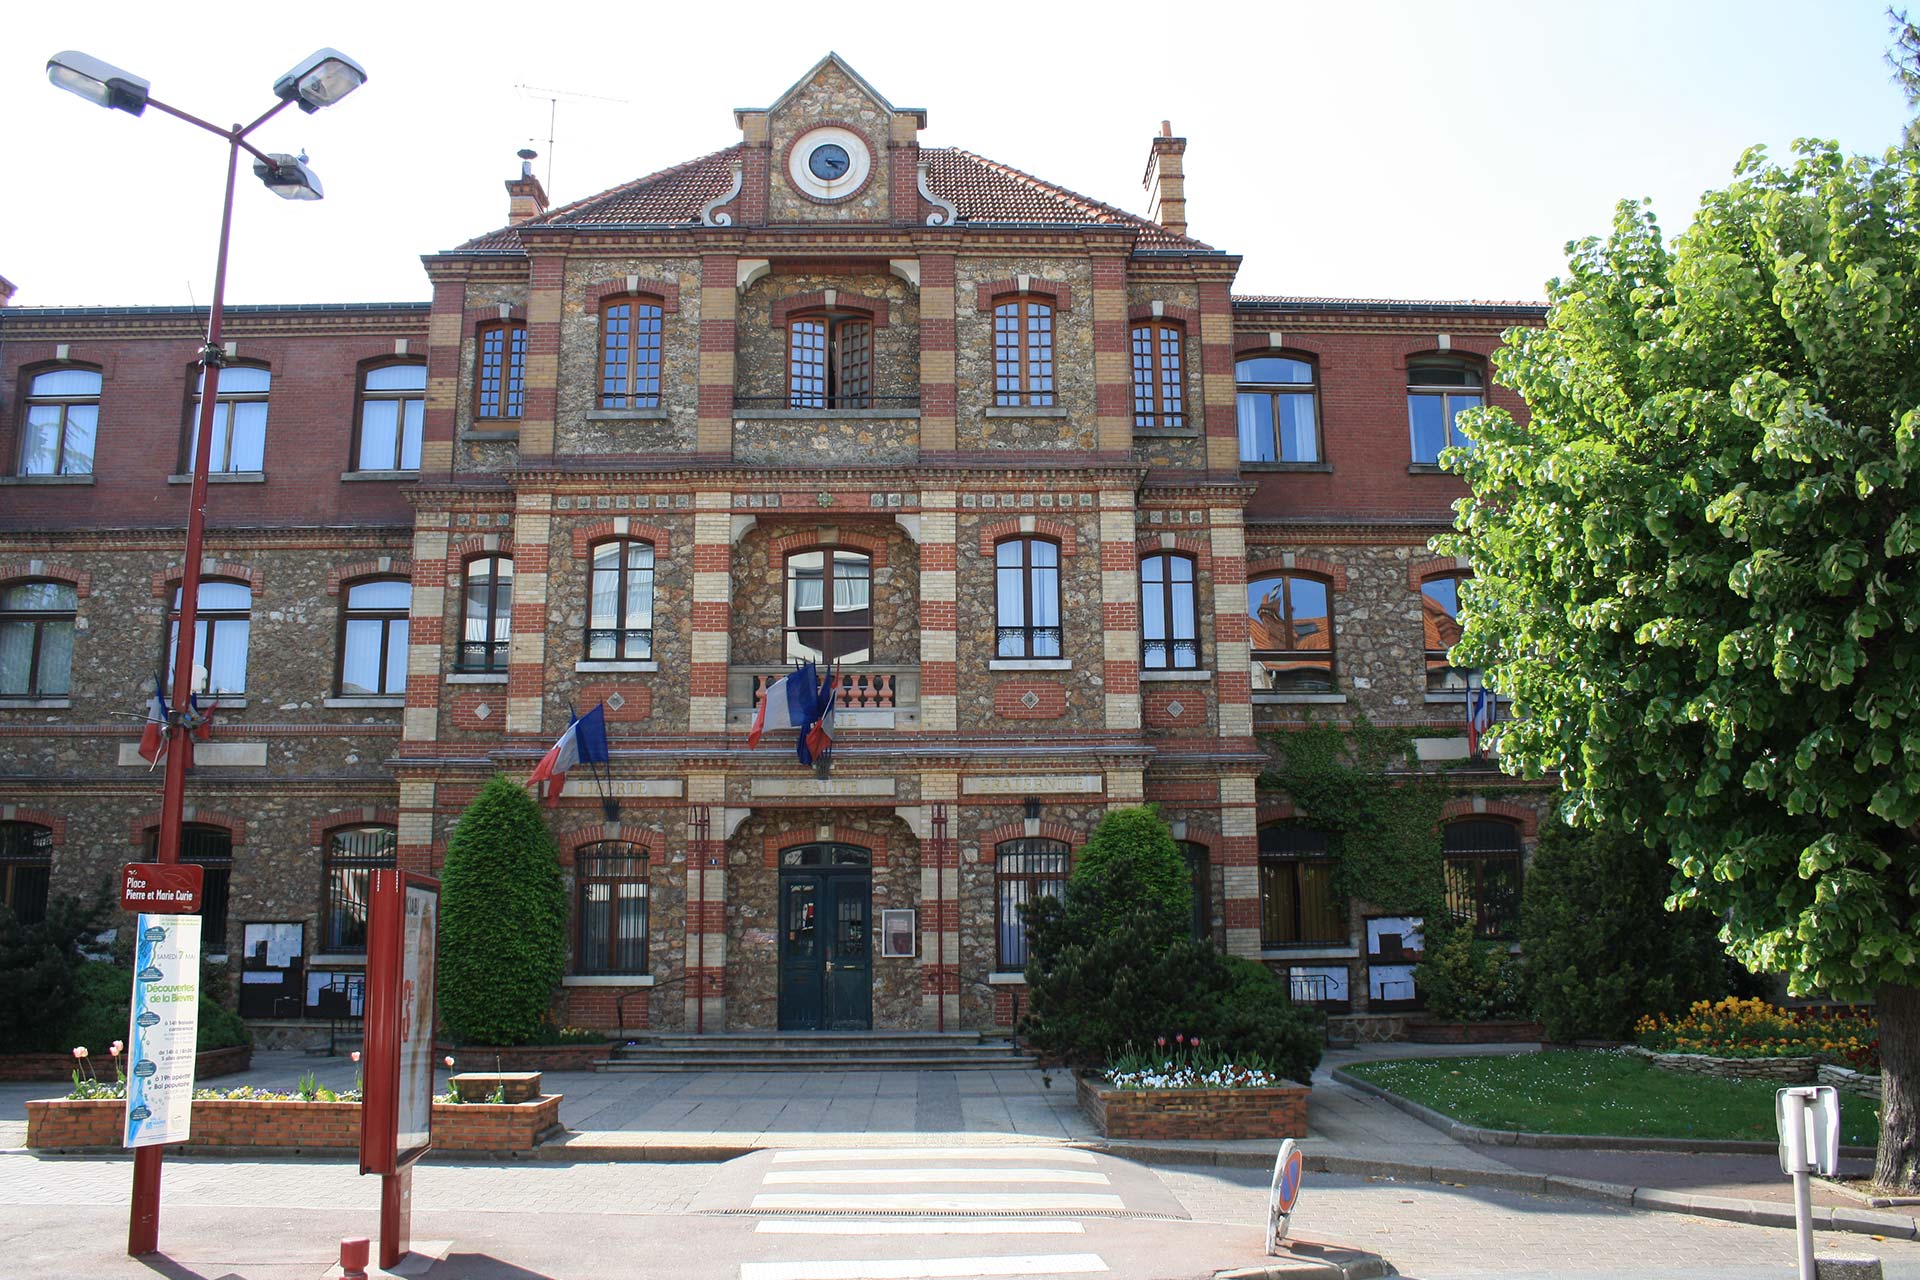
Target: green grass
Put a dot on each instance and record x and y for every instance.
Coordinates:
(1592, 1091)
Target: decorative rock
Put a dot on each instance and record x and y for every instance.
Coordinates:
(1837, 1268)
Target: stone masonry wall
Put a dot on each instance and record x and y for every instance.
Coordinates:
(829, 98)
(580, 354)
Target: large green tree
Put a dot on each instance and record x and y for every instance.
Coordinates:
(1697, 572)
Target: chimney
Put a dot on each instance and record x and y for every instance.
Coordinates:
(7, 290)
(1166, 181)
(527, 198)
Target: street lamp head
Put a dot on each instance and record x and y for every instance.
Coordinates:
(288, 177)
(321, 79)
(100, 83)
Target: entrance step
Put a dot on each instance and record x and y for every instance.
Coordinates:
(819, 1051)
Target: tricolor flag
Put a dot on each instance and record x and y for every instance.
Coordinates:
(1479, 716)
(584, 742)
(815, 745)
(154, 736)
(791, 702)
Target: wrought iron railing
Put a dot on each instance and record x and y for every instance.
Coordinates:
(620, 644)
(1028, 642)
(481, 656)
(814, 402)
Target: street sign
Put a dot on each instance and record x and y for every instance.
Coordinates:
(162, 888)
(1284, 1192)
(163, 1027)
(1820, 1136)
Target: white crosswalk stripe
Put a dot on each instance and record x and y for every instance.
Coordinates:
(1041, 1264)
(919, 1227)
(793, 1177)
(937, 1202)
(1030, 1155)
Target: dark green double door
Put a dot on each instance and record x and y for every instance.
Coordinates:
(826, 949)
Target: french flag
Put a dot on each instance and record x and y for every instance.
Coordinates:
(1479, 717)
(153, 737)
(791, 702)
(584, 742)
(815, 746)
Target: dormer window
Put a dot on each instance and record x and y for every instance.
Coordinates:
(630, 330)
(1023, 352)
(829, 361)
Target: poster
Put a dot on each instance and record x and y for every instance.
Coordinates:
(416, 1016)
(163, 1028)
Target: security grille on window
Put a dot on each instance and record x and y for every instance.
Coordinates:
(1169, 628)
(393, 402)
(62, 417)
(1440, 618)
(1483, 863)
(212, 849)
(1023, 353)
(486, 624)
(1279, 416)
(26, 865)
(1298, 904)
(1438, 392)
(1159, 364)
(500, 384)
(1027, 598)
(620, 626)
(1290, 634)
(829, 620)
(239, 419)
(352, 853)
(630, 332)
(830, 362)
(373, 638)
(221, 628)
(1024, 871)
(612, 916)
(36, 639)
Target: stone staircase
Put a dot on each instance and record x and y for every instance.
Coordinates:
(818, 1051)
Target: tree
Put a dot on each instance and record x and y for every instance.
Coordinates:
(40, 964)
(1695, 570)
(503, 920)
(1130, 865)
(1904, 58)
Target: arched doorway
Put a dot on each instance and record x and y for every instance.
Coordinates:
(826, 938)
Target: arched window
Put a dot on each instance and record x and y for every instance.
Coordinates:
(1169, 618)
(1159, 371)
(352, 853)
(239, 419)
(211, 848)
(1200, 877)
(62, 416)
(829, 361)
(1438, 390)
(830, 606)
(611, 916)
(393, 405)
(486, 615)
(1024, 871)
(1483, 860)
(36, 639)
(500, 370)
(1026, 577)
(630, 331)
(1290, 633)
(1298, 905)
(373, 637)
(620, 621)
(26, 864)
(221, 629)
(1278, 410)
(826, 854)
(1023, 352)
(1440, 620)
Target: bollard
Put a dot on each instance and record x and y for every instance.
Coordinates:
(353, 1258)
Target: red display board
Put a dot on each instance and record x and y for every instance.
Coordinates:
(396, 1115)
(162, 888)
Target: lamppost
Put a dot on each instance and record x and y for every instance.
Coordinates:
(319, 80)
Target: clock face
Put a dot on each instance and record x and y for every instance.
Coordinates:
(829, 162)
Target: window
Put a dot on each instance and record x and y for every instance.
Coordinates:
(1298, 905)
(1440, 618)
(500, 382)
(62, 415)
(26, 864)
(239, 419)
(220, 631)
(1279, 417)
(1158, 365)
(373, 637)
(486, 615)
(620, 626)
(1483, 859)
(834, 623)
(1023, 352)
(1437, 392)
(1169, 638)
(630, 354)
(36, 639)
(212, 849)
(352, 852)
(1290, 631)
(1024, 871)
(829, 362)
(1200, 873)
(612, 919)
(1027, 598)
(393, 401)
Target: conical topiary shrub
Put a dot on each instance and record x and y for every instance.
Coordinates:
(503, 920)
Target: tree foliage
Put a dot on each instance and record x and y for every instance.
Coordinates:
(1129, 870)
(503, 920)
(40, 964)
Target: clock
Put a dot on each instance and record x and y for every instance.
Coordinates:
(829, 163)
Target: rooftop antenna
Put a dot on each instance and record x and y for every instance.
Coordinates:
(554, 98)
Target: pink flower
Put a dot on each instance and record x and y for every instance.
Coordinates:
(118, 1045)
(79, 1051)
(1162, 1042)
(1181, 1037)
(448, 1060)
(1196, 1042)
(355, 1055)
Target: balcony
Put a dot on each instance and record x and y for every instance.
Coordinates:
(872, 696)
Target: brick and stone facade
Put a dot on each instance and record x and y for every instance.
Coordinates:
(729, 471)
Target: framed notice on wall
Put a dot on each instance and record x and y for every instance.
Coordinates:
(896, 934)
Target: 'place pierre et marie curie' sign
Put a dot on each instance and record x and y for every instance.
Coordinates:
(161, 888)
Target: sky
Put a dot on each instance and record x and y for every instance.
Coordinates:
(1374, 148)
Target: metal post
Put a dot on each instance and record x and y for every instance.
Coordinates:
(702, 832)
(940, 913)
(1795, 1138)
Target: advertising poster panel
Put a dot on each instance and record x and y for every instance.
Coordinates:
(162, 1030)
(416, 1019)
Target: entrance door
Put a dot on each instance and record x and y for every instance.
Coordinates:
(826, 939)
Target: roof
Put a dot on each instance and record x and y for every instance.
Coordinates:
(982, 192)
(1289, 302)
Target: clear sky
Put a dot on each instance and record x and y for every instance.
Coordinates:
(1376, 148)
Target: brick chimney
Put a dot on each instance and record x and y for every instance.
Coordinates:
(1166, 181)
(526, 197)
(7, 290)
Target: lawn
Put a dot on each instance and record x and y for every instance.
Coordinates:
(1593, 1091)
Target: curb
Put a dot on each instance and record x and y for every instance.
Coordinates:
(1351, 1264)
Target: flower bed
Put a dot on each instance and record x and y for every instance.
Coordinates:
(64, 1124)
(1735, 1028)
(1275, 1111)
(528, 1057)
(36, 1067)
(1489, 1031)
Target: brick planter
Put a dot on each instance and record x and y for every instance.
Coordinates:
(1195, 1113)
(64, 1124)
(59, 1066)
(1492, 1031)
(1778, 1070)
(526, 1057)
